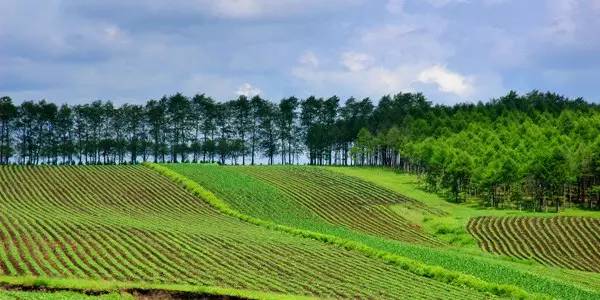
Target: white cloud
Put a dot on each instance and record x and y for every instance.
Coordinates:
(112, 32)
(441, 3)
(377, 80)
(372, 82)
(414, 40)
(357, 76)
(446, 80)
(395, 6)
(238, 8)
(248, 90)
(563, 14)
(494, 2)
(309, 59)
(243, 9)
(355, 61)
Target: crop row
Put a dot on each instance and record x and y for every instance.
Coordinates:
(568, 242)
(346, 201)
(128, 223)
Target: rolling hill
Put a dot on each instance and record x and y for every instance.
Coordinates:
(130, 224)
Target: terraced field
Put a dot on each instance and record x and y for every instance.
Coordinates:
(568, 242)
(128, 223)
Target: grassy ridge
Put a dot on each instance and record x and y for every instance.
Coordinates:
(130, 224)
(252, 196)
(415, 267)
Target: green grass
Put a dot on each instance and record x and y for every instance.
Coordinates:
(253, 195)
(131, 224)
(28, 295)
(54, 288)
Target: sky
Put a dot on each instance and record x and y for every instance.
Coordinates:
(450, 50)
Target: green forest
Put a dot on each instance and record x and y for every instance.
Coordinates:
(536, 151)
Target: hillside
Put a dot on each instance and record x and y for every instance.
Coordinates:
(303, 197)
(130, 224)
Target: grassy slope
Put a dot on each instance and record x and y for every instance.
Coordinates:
(452, 228)
(28, 295)
(403, 263)
(128, 223)
(259, 199)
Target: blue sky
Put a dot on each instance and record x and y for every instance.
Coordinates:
(451, 50)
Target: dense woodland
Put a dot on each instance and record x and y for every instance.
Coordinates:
(536, 151)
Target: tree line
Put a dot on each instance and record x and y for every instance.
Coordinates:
(536, 151)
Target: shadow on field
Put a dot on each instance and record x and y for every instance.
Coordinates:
(142, 294)
(172, 295)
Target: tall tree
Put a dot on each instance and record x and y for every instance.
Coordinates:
(267, 129)
(206, 109)
(65, 133)
(27, 124)
(134, 129)
(256, 106)
(309, 120)
(328, 117)
(178, 110)
(8, 113)
(197, 119)
(156, 114)
(225, 128)
(242, 112)
(286, 124)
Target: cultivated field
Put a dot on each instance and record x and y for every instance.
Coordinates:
(265, 192)
(569, 242)
(130, 224)
(336, 199)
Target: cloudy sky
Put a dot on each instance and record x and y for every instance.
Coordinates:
(451, 50)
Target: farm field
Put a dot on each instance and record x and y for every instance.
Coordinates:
(568, 242)
(130, 224)
(453, 227)
(295, 150)
(272, 193)
(346, 201)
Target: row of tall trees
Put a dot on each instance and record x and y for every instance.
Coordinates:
(172, 129)
(180, 129)
(536, 151)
